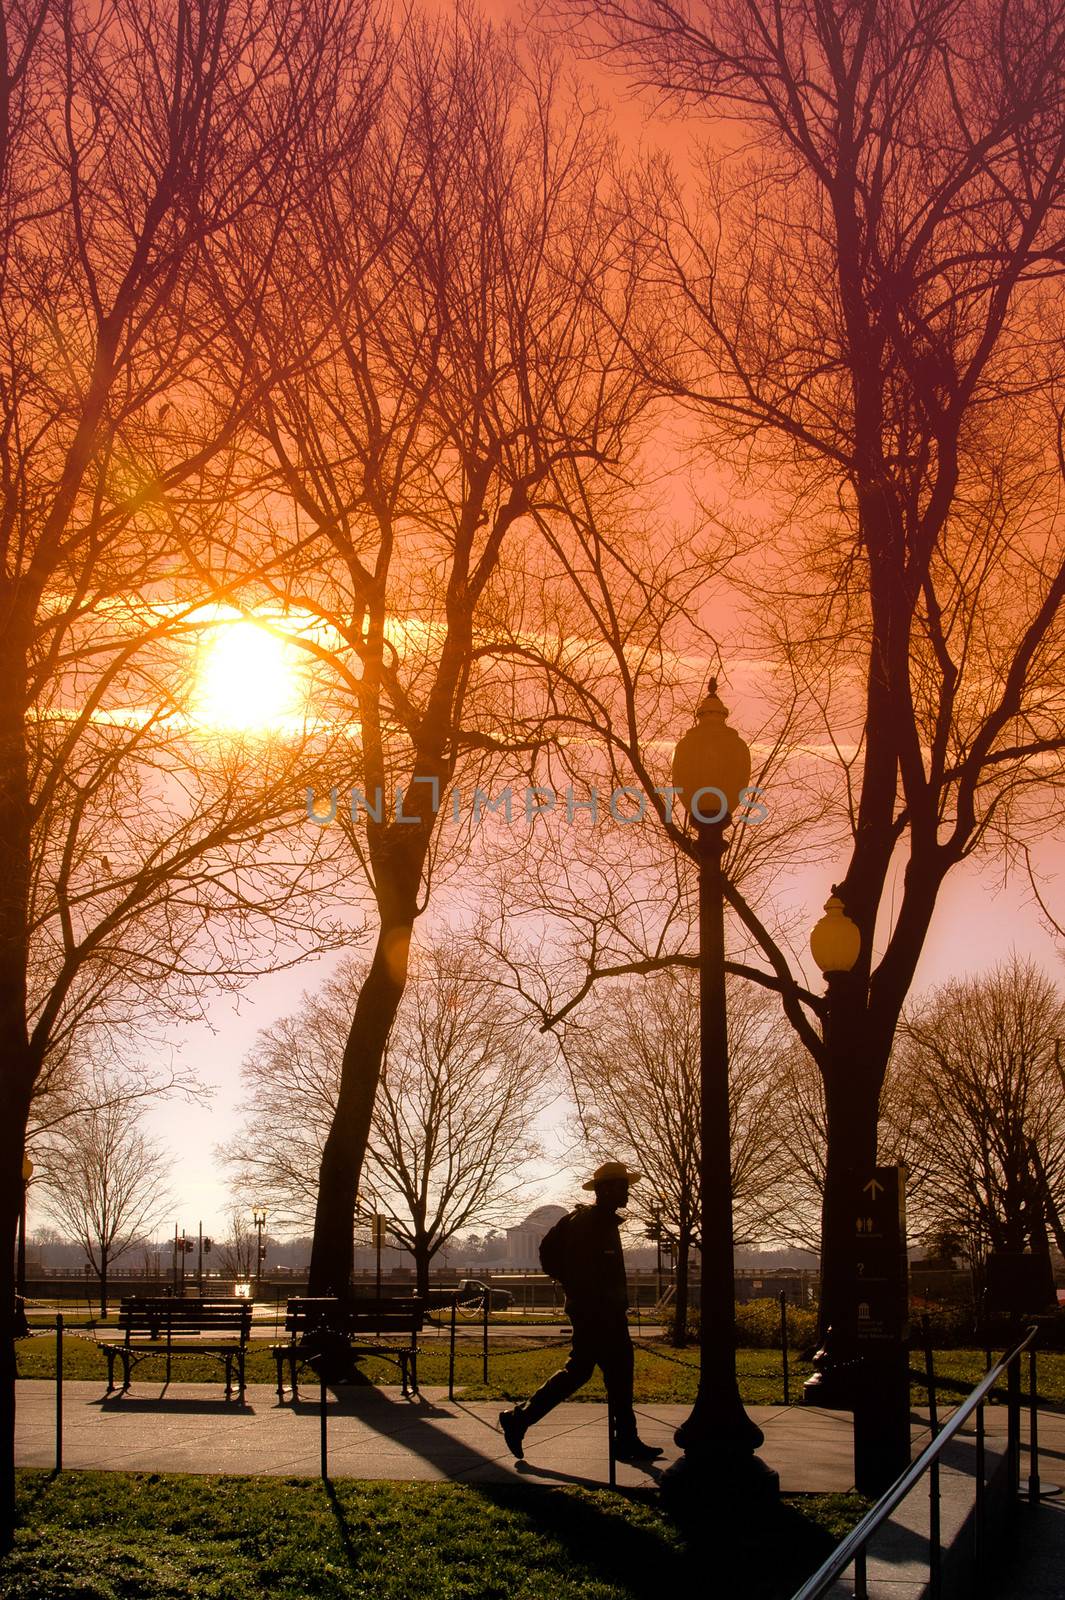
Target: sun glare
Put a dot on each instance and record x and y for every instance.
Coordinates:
(249, 679)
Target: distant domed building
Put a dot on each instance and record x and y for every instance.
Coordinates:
(523, 1241)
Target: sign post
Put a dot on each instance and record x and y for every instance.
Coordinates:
(880, 1328)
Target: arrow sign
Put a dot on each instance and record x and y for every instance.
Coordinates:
(873, 1187)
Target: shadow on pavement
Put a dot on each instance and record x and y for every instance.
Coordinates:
(163, 1403)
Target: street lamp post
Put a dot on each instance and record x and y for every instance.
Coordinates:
(711, 768)
(21, 1323)
(259, 1218)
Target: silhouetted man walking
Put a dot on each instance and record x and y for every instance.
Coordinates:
(583, 1251)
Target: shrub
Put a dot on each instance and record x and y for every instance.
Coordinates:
(758, 1325)
(951, 1325)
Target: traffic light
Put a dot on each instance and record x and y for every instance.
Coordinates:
(654, 1232)
(207, 1247)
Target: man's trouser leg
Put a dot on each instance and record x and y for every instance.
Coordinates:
(566, 1381)
(616, 1359)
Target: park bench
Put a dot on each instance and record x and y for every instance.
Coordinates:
(335, 1333)
(165, 1325)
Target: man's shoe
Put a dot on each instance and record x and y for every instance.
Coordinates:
(513, 1432)
(635, 1451)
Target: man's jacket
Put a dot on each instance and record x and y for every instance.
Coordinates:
(583, 1251)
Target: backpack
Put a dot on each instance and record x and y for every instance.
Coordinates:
(554, 1250)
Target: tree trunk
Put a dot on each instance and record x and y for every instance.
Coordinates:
(14, 1108)
(9, 1226)
(345, 1146)
(680, 1301)
(423, 1258)
(852, 1103)
(19, 1063)
(103, 1279)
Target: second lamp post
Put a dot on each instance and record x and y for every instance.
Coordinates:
(259, 1218)
(711, 769)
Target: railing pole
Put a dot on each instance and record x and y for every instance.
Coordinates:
(59, 1391)
(1013, 1428)
(935, 1543)
(451, 1353)
(1033, 1432)
(784, 1345)
(861, 1588)
(978, 1511)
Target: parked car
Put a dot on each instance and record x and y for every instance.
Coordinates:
(472, 1292)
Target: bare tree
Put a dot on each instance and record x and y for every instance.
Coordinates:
(976, 1062)
(453, 1132)
(633, 1054)
(238, 1250)
(464, 1078)
(105, 1183)
(137, 142)
(461, 369)
(292, 1078)
(859, 306)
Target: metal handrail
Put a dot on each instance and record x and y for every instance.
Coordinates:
(853, 1546)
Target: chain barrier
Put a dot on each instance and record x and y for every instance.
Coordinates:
(638, 1344)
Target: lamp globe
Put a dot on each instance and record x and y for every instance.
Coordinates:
(711, 764)
(835, 941)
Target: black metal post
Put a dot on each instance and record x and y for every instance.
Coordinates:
(1033, 1432)
(784, 1345)
(612, 1460)
(861, 1582)
(323, 1427)
(59, 1391)
(978, 1509)
(484, 1357)
(718, 1436)
(199, 1264)
(935, 1543)
(451, 1352)
(1013, 1427)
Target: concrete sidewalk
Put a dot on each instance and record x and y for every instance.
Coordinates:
(374, 1433)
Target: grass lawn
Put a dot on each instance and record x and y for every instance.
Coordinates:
(663, 1374)
(131, 1536)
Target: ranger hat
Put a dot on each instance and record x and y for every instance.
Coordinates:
(611, 1172)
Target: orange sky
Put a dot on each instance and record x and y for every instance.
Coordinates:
(978, 922)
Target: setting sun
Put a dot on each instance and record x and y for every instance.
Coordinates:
(249, 678)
